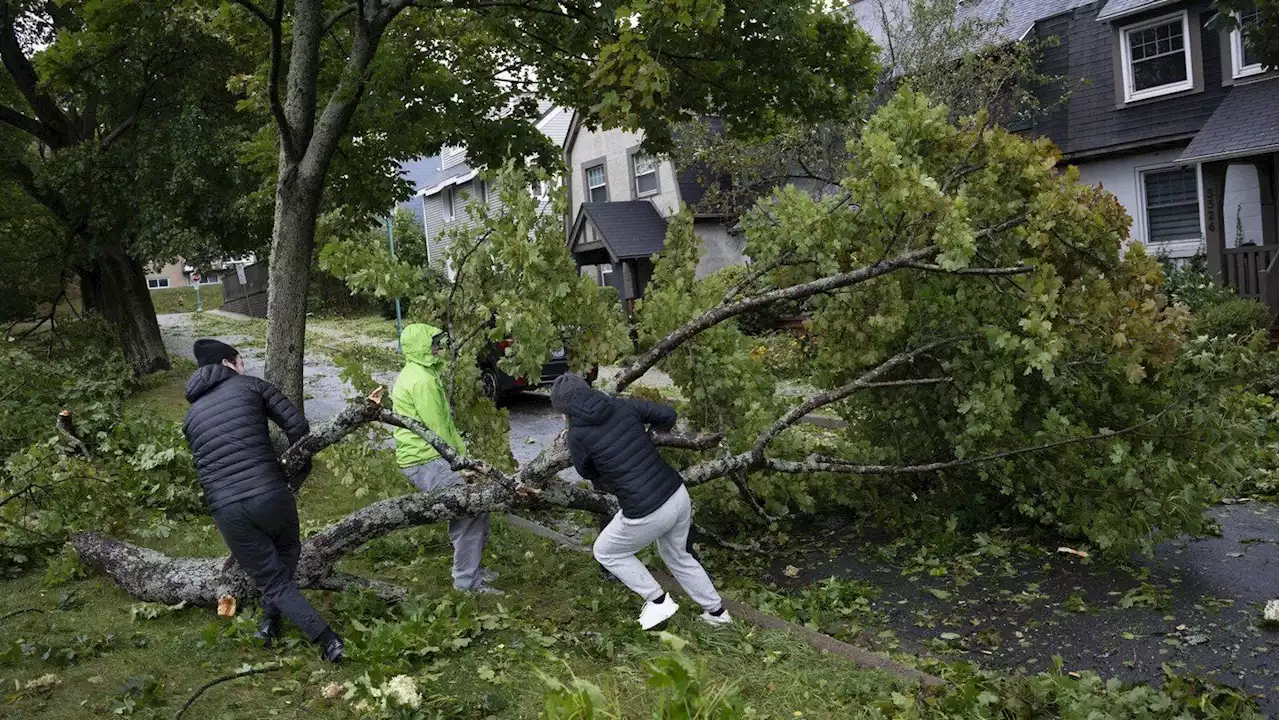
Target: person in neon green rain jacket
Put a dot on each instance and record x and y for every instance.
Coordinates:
(419, 394)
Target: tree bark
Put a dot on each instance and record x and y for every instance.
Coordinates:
(292, 242)
(116, 286)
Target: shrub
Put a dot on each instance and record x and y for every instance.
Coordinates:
(1233, 316)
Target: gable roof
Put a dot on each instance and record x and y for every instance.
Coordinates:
(1245, 123)
(630, 229)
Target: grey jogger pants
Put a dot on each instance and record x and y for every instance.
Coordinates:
(468, 535)
(262, 534)
(669, 525)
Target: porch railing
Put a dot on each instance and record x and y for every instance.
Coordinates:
(1245, 269)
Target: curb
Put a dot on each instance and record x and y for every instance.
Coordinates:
(839, 648)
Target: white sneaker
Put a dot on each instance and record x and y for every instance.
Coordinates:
(717, 620)
(656, 613)
(487, 575)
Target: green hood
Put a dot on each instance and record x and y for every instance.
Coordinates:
(415, 340)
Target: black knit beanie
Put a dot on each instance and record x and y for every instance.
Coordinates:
(213, 352)
(567, 388)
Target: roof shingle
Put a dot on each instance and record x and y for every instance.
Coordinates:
(630, 229)
(1244, 122)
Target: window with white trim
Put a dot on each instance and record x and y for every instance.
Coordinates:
(157, 283)
(644, 169)
(1156, 55)
(606, 273)
(1171, 198)
(1243, 62)
(597, 186)
(482, 192)
(209, 279)
(446, 204)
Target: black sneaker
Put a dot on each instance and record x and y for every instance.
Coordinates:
(332, 651)
(268, 631)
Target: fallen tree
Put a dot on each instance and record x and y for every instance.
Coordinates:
(975, 325)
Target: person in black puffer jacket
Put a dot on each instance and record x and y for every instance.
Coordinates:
(610, 445)
(252, 506)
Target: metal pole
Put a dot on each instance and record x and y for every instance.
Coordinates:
(391, 246)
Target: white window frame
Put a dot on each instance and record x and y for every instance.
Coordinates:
(1145, 236)
(1238, 69)
(157, 283)
(482, 192)
(447, 209)
(635, 176)
(604, 269)
(586, 180)
(1130, 95)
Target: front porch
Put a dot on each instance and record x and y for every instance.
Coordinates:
(1241, 262)
(1242, 132)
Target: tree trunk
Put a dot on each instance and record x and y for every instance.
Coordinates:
(292, 241)
(116, 286)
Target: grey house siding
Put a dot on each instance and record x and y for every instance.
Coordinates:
(1093, 120)
(434, 223)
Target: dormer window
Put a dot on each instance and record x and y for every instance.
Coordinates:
(1156, 57)
(1243, 62)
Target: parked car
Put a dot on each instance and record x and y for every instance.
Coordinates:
(497, 384)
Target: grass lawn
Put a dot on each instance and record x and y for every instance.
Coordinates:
(472, 657)
(183, 299)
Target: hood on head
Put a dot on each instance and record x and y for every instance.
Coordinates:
(588, 408)
(206, 378)
(415, 341)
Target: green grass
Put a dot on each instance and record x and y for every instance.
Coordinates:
(162, 395)
(183, 299)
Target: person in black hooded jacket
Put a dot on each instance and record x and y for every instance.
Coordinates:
(252, 505)
(610, 445)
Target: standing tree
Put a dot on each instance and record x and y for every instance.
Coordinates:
(121, 128)
(973, 312)
(351, 87)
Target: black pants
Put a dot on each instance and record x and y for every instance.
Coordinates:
(263, 536)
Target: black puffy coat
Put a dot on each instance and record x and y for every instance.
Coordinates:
(226, 429)
(610, 446)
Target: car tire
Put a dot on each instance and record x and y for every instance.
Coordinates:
(491, 385)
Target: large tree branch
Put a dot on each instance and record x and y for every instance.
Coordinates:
(45, 134)
(723, 312)
(24, 77)
(865, 381)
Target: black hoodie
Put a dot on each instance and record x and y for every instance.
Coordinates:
(226, 429)
(610, 446)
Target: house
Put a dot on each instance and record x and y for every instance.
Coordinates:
(446, 185)
(181, 273)
(1173, 117)
(619, 202)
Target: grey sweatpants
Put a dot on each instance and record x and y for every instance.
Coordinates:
(262, 534)
(669, 525)
(468, 535)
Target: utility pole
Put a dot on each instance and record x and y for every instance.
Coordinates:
(391, 246)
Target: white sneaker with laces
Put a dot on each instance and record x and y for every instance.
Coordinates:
(717, 620)
(487, 575)
(656, 613)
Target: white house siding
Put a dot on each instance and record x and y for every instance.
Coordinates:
(1122, 176)
(613, 147)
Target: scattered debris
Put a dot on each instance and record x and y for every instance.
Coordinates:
(1073, 551)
